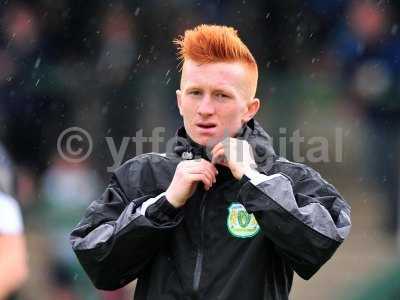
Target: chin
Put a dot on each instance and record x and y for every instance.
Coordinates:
(202, 141)
(208, 141)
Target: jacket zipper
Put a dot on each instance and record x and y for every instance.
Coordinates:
(200, 250)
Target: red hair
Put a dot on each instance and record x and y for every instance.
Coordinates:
(215, 43)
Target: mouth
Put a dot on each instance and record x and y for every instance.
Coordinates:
(206, 126)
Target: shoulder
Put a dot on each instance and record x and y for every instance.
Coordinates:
(296, 172)
(146, 172)
(143, 161)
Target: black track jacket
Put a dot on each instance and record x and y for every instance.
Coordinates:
(243, 239)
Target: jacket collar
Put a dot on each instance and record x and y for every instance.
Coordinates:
(252, 131)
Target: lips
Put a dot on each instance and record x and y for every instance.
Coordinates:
(206, 125)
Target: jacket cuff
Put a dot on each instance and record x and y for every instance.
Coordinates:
(244, 180)
(254, 176)
(162, 211)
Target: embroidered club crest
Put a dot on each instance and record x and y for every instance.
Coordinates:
(240, 223)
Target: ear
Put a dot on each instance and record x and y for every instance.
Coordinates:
(252, 108)
(179, 100)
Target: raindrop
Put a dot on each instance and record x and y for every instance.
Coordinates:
(315, 60)
(394, 29)
(268, 15)
(37, 82)
(37, 62)
(137, 11)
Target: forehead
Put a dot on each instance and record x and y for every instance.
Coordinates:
(214, 74)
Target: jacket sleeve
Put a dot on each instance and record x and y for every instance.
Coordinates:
(304, 216)
(118, 236)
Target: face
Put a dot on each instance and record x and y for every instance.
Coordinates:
(215, 100)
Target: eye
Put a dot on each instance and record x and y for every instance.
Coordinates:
(194, 92)
(222, 96)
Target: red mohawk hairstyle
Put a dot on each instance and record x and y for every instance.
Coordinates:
(213, 43)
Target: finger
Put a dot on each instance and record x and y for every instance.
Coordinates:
(220, 158)
(210, 166)
(200, 177)
(202, 164)
(202, 169)
(211, 171)
(210, 176)
(217, 147)
(206, 170)
(207, 181)
(206, 167)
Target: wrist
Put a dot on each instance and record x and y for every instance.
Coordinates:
(172, 200)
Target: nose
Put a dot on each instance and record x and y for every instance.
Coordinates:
(206, 107)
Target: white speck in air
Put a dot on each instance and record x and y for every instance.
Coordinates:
(137, 11)
(37, 62)
(394, 29)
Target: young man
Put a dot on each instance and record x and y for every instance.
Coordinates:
(221, 216)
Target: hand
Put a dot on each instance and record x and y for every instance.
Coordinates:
(187, 175)
(235, 154)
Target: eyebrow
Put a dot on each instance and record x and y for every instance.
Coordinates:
(224, 91)
(220, 90)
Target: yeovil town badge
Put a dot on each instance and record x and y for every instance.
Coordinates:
(240, 223)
